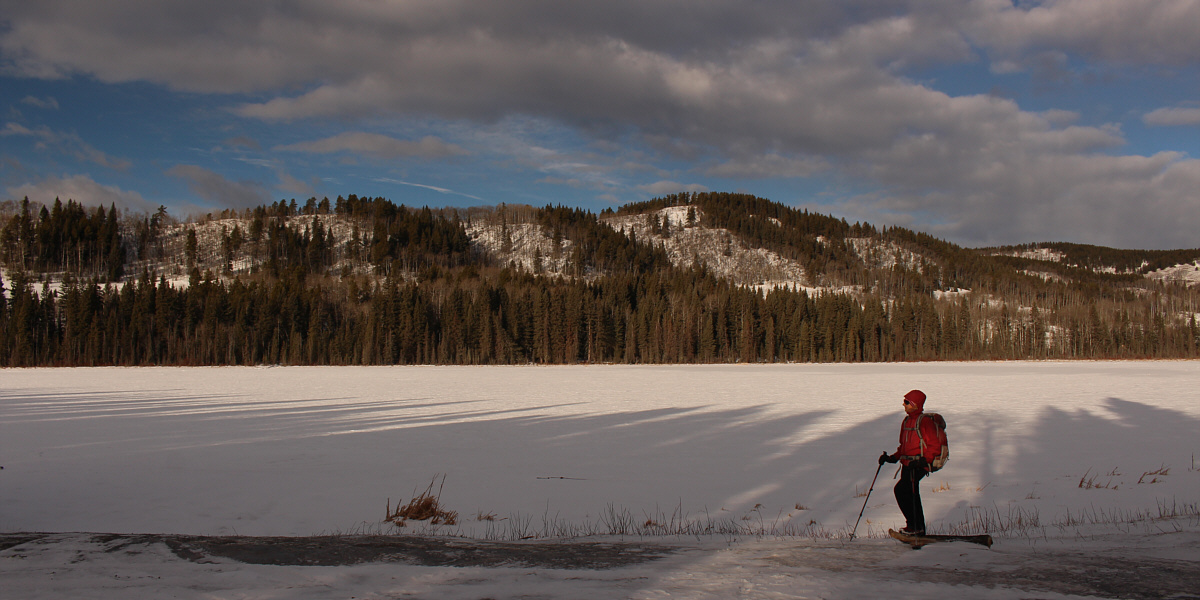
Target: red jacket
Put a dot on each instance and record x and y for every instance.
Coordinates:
(910, 443)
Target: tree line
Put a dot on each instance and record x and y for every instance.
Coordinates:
(503, 316)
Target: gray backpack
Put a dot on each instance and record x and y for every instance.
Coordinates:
(939, 461)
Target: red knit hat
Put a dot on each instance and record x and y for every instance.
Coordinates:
(917, 397)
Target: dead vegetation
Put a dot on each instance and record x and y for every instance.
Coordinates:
(1094, 482)
(423, 507)
(1154, 475)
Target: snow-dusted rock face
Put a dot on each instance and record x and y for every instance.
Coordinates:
(878, 254)
(1186, 274)
(1044, 275)
(717, 249)
(171, 261)
(951, 294)
(1046, 254)
(526, 245)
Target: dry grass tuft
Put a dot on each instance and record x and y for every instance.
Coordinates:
(423, 507)
(1162, 471)
(1093, 482)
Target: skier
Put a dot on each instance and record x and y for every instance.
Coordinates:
(915, 463)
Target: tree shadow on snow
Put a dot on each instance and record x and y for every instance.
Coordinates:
(1070, 461)
(753, 465)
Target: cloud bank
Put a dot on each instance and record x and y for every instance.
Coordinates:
(65, 143)
(218, 190)
(768, 89)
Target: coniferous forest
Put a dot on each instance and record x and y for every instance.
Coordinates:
(366, 281)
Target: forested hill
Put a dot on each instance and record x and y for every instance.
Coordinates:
(710, 277)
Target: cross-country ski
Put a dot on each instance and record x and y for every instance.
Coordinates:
(917, 541)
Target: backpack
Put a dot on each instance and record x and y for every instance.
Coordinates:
(939, 461)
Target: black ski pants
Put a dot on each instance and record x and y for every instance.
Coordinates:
(908, 496)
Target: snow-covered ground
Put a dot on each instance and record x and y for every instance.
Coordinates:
(1060, 459)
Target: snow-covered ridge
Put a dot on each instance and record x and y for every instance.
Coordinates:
(1046, 254)
(1186, 274)
(170, 257)
(1044, 275)
(526, 245)
(883, 255)
(517, 240)
(718, 249)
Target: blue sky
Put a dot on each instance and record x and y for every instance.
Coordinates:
(981, 122)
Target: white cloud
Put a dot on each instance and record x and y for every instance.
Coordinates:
(215, 188)
(243, 141)
(66, 143)
(48, 102)
(662, 188)
(82, 189)
(1169, 117)
(1119, 201)
(11, 128)
(288, 183)
(768, 165)
(378, 146)
(1120, 31)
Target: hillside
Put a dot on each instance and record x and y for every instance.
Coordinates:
(766, 254)
(759, 281)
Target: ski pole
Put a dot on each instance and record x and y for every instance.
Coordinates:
(868, 498)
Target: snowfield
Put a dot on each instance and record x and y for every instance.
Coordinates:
(1071, 465)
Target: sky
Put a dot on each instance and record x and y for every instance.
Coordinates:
(982, 122)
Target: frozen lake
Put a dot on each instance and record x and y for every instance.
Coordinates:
(307, 450)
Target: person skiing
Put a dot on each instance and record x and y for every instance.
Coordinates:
(916, 451)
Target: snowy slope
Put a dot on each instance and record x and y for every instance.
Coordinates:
(1187, 274)
(1054, 457)
(525, 246)
(210, 234)
(718, 249)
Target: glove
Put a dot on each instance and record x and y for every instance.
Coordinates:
(885, 458)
